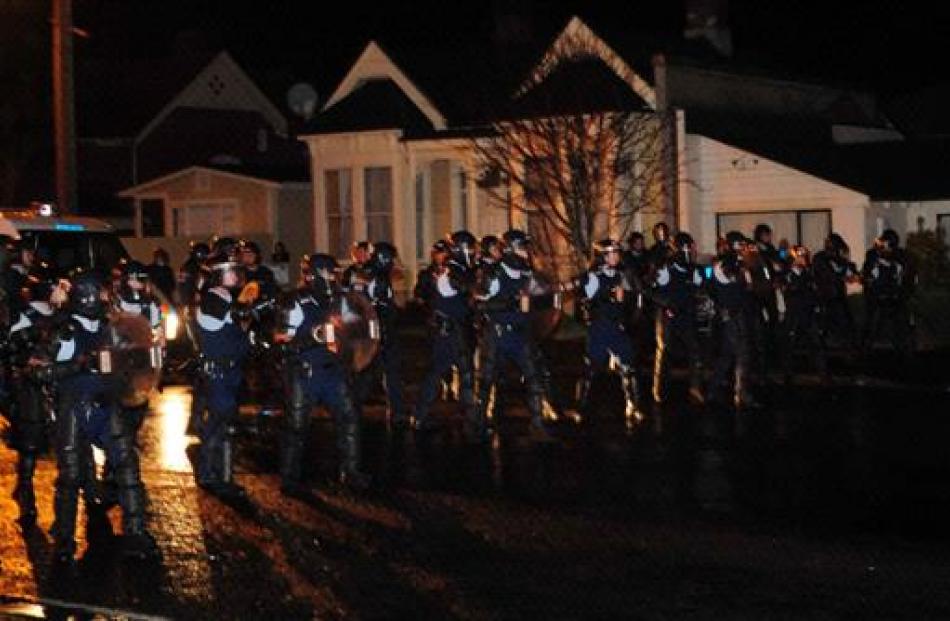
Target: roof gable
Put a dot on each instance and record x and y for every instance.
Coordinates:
(374, 104)
(374, 64)
(221, 85)
(577, 40)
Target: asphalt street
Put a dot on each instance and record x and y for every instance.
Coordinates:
(830, 502)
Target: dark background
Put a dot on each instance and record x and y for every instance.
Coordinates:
(890, 46)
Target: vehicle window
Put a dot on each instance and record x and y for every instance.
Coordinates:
(106, 250)
(67, 251)
(63, 251)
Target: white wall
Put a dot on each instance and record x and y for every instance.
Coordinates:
(722, 178)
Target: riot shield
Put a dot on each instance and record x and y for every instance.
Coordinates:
(546, 309)
(133, 356)
(356, 330)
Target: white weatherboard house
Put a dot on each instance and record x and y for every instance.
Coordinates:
(392, 157)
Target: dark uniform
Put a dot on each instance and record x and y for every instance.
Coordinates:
(315, 376)
(192, 280)
(801, 323)
(136, 299)
(833, 271)
(375, 282)
(224, 346)
(33, 325)
(256, 272)
(767, 268)
(89, 414)
(730, 289)
(674, 295)
(606, 294)
(886, 294)
(506, 333)
(445, 288)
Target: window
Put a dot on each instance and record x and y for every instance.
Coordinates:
(153, 217)
(339, 203)
(809, 228)
(378, 191)
(420, 216)
(206, 219)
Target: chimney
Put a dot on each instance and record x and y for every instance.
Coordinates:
(709, 20)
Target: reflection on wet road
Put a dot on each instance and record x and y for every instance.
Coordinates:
(829, 502)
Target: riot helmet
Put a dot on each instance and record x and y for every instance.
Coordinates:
(383, 258)
(86, 295)
(464, 247)
(490, 247)
(607, 252)
(319, 272)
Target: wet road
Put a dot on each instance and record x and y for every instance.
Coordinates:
(830, 502)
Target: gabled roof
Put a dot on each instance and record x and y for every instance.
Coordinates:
(116, 98)
(224, 171)
(375, 104)
(127, 98)
(578, 42)
(374, 64)
(576, 86)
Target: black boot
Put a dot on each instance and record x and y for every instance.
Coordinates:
(23, 493)
(291, 456)
(538, 430)
(696, 385)
(141, 546)
(350, 456)
(631, 396)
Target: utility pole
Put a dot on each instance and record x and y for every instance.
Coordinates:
(64, 115)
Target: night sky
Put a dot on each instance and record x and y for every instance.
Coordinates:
(891, 46)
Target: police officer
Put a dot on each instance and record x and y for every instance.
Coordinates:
(190, 274)
(506, 336)
(767, 268)
(224, 346)
(30, 334)
(316, 375)
(88, 414)
(674, 295)
(354, 276)
(833, 270)
(136, 298)
(374, 280)
(607, 294)
(444, 287)
(161, 275)
(730, 289)
(660, 249)
(257, 272)
(800, 323)
(885, 293)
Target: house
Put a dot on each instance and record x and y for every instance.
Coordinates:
(197, 202)
(392, 149)
(189, 146)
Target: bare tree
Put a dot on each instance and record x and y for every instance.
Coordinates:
(579, 151)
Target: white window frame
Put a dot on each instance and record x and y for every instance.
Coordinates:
(390, 212)
(327, 214)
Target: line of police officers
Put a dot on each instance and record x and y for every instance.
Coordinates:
(57, 383)
(483, 297)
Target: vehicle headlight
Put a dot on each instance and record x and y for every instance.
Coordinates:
(171, 325)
